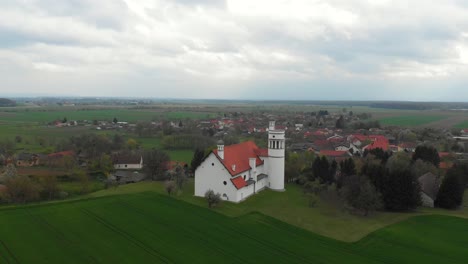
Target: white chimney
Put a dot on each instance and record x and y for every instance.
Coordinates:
(221, 149)
(272, 126)
(233, 167)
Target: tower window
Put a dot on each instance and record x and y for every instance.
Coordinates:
(224, 182)
(212, 164)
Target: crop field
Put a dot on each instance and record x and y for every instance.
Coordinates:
(410, 120)
(152, 228)
(125, 115)
(462, 124)
(181, 155)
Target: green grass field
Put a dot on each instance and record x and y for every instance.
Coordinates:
(410, 120)
(124, 115)
(462, 125)
(153, 228)
(326, 219)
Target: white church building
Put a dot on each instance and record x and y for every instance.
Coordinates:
(241, 170)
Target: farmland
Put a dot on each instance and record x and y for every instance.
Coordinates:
(462, 125)
(411, 120)
(127, 115)
(151, 228)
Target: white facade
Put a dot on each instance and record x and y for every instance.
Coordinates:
(132, 166)
(255, 173)
(276, 156)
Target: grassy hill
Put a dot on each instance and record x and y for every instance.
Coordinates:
(153, 228)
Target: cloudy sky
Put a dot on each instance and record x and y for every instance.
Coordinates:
(236, 49)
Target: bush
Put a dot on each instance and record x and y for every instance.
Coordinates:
(212, 198)
(21, 189)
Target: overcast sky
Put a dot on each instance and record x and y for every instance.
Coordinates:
(236, 49)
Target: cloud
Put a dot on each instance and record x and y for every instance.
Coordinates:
(360, 49)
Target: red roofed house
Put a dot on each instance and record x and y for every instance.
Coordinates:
(241, 170)
(59, 158)
(378, 141)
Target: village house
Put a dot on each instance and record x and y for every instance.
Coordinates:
(429, 188)
(127, 162)
(242, 170)
(27, 160)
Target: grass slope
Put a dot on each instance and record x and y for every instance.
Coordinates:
(152, 228)
(327, 219)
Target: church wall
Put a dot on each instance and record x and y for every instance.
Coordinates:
(211, 174)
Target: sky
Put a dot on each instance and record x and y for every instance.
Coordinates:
(414, 50)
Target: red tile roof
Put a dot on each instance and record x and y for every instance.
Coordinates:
(262, 152)
(61, 154)
(445, 165)
(360, 137)
(444, 154)
(239, 155)
(378, 141)
(171, 165)
(239, 182)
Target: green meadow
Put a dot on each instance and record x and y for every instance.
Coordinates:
(410, 120)
(124, 115)
(153, 228)
(462, 125)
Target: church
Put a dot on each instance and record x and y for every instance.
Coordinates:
(242, 170)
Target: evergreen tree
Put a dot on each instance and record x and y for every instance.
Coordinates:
(428, 154)
(321, 169)
(197, 159)
(451, 191)
(401, 191)
(348, 168)
(340, 123)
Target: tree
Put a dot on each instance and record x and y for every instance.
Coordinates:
(115, 121)
(322, 170)
(197, 159)
(64, 120)
(8, 148)
(82, 177)
(360, 194)
(401, 190)
(9, 173)
(179, 177)
(18, 139)
(50, 186)
(170, 187)
(103, 165)
(155, 164)
(420, 168)
(348, 168)
(212, 198)
(428, 154)
(21, 189)
(340, 123)
(451, 191)
(398, 162)
(132, 143)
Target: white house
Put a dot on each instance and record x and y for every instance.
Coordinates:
(241, 170)
(128, 162)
